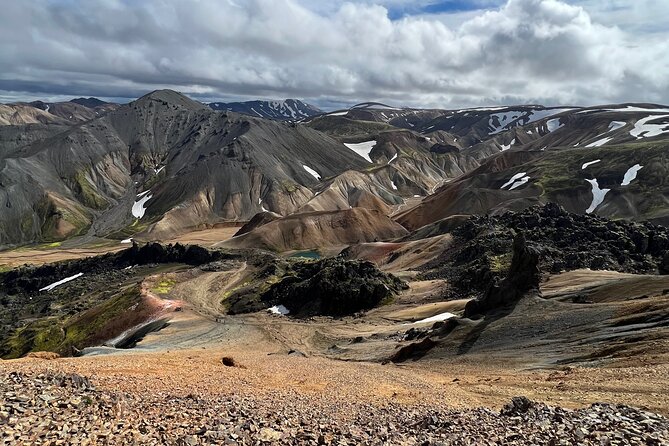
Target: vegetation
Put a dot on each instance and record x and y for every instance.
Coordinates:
(165, 285)
(60, 334)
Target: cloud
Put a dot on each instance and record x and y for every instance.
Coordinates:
(540, 51)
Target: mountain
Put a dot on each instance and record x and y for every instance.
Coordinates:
(90, 102)
(39, 112)
(607, 160)
(318, 230)
(160, 165)
(165, 164)
(287, 110)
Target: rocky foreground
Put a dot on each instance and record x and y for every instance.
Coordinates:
(67, 409)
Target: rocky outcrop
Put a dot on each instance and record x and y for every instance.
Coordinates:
(664, 266)
(524, 276)
(482, 247)
(29, 279)
(332, 287)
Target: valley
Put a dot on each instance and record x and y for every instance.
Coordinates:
(425, 267)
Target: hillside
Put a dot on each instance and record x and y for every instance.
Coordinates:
(161, 164)
(286, 110)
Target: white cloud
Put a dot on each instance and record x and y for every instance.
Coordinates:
(542, 51)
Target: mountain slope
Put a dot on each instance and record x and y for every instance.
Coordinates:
(191, 165)
(515, 180)
(287, 110)
(314, 230)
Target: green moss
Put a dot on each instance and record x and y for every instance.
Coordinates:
(26, 224)
(78, 218)
(501, 263)
(60, 335)
(43, 335)
(561, 173)
(289, 187)
(92, 323)
(87, 193)
(164, 286)
(387, 301)
(233, 290)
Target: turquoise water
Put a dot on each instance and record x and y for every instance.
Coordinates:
(307, 255)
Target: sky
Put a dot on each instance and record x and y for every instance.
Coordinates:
(334, 53)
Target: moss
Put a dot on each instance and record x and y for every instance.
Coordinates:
(164, 286)
(87, 193)
(233, 290)
(43, 335)
(289, 187)
(98, 323)
(60, 335)
(387, 301)
(560, 171)
(501, 263)
(26, 224)
(77, 218)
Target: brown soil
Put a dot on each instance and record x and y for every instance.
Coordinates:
(200, 371)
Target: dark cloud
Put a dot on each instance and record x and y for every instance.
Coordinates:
(541, 51)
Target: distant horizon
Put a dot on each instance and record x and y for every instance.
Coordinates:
(126, 100)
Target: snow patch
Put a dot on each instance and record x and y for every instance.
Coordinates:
(553, 124)
(341, 113)
(600, 142)
(589, 163)
(642, 129)
(126, 241)
(138, 208)
(520, 182)
(393, 185)
(436, 318)
(312, 172)
(279, 309)
(60, 282)
(159, 169)
(630, 108)
(363, 149)
(514, 118)
(393, 158)
(615, 125)
(504, 148)
(597, 195)
(513, 179)
(630, 175)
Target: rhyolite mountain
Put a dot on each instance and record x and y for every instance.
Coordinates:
(286, 110)
(165, 164)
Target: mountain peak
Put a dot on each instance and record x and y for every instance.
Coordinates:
(89, 102)
(171, 97)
